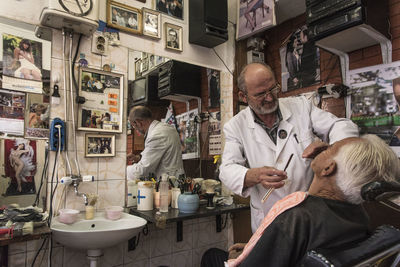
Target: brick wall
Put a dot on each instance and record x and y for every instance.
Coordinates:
(330, 64)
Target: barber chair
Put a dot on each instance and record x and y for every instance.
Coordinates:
(382, 248)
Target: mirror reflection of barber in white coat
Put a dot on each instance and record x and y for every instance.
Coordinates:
(162, 147)
(260, 139)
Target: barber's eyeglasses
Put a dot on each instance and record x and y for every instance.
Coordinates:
(273, 90)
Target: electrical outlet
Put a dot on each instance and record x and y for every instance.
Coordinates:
(54, 135)
(99, 44)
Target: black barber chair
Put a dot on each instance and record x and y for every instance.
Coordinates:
(382, 248)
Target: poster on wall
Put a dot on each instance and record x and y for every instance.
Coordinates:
(214, 129)
(12, 109)
(26, 59)
(37, 116)
(102, 111)
(375, 100)
(213, 77)
(254, 16)
(189, 134)
(20, 166)
(300, 61)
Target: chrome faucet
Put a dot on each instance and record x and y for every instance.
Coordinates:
(75, 183)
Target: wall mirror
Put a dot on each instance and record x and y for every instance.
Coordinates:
(145, 73)
(25, 62)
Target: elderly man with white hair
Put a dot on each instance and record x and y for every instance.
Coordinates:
(329, 215)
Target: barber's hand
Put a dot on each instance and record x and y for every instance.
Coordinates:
(235, 250)
(314, 149)
(267, 176)
(133, 157)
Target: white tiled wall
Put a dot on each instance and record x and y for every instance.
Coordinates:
(158, 248)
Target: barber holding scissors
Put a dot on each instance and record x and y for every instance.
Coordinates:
(260, 140)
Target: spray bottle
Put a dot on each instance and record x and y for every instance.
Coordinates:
(164, 187)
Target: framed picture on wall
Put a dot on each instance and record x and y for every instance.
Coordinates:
(172, 8)
(123, 17)
(173, 37)
(138, 64)
(104, 93)
(151, 23)
(99, 145)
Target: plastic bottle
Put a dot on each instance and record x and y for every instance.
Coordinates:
(164, 187)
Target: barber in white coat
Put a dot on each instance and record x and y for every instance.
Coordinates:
(260, 139)
(162, 148)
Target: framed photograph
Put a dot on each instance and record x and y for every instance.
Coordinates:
(104, 93)
(173, 37)
(159, 60)
(152, 61)
(254, 16)
(99, 145)
(172, 8)
(144, 65)
(151, 23)
(124, 17)
(25, 59)
(37, 116)
(12, 109)
(138, 65)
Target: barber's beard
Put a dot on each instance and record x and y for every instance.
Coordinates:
(262, 109)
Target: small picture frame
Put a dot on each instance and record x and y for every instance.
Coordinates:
(138, 66)
(173, 8)
(144, 65)
(173, 37)
(151, 23)
(152, 61)
(104, 94)
(123, 17)
(99, 145)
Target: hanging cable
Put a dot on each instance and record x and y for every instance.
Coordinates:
(71, 70)
(223, 62)
(44, 175)
(65, 102)
(37, 252)
(79, 99)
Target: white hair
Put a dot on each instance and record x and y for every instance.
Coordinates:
(359, 163)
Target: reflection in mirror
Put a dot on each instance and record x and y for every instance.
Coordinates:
(25, 62)
(191, 94)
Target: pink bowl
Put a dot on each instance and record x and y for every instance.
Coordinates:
(114, 212)
(68, 216)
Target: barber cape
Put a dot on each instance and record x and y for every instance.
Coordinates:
(279, 207)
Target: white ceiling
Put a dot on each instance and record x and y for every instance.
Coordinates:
(287, 9)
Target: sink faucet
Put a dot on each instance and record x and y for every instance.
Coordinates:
(75, 183)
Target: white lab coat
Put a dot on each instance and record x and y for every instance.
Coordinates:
(247, 145)
(162, 152)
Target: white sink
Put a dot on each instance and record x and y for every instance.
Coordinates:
(97, 233)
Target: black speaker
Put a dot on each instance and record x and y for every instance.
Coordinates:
(208, 22)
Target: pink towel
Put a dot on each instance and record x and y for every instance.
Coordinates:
(279, 207)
